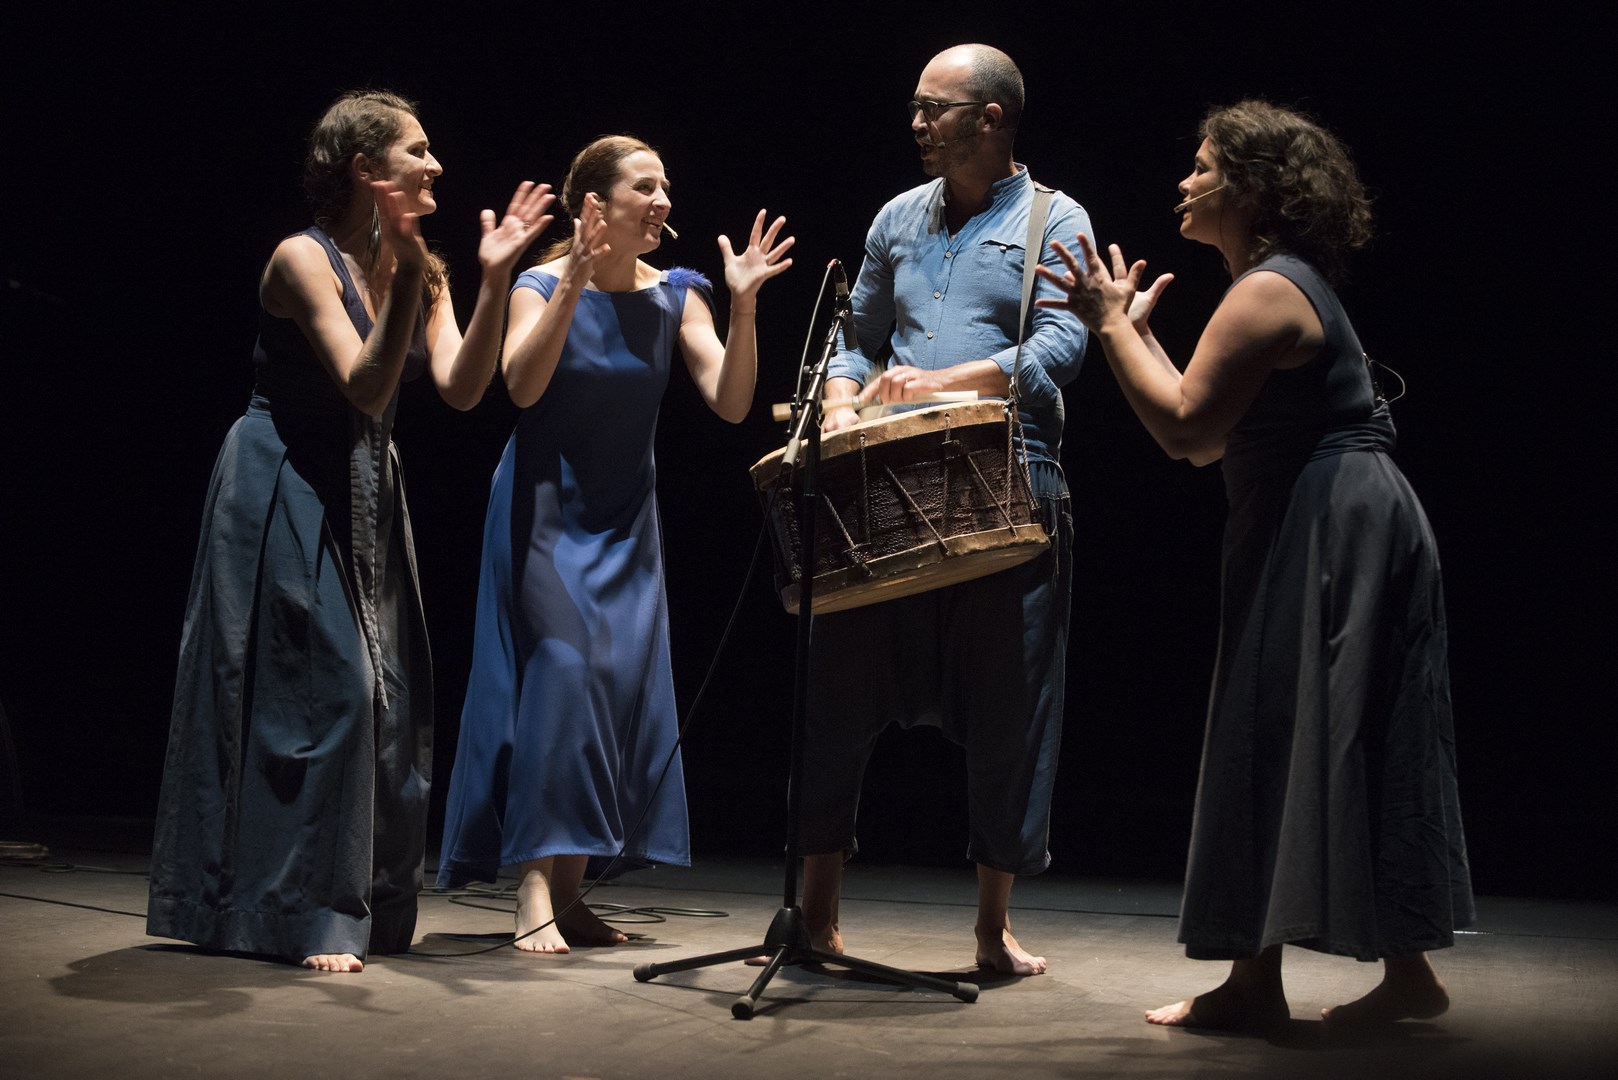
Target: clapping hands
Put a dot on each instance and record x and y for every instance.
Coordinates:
(525, 218)
(400, 229)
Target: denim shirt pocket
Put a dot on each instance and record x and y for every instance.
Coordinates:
(997, 265)
(999, 254)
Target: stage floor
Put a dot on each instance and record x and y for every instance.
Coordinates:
(83, 991)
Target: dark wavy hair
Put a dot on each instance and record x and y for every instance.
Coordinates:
(359, 122)
(595, 168)
(1297, 178)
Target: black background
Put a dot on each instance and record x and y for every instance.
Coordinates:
(153, 162)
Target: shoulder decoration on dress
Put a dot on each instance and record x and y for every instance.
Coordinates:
(683, 277)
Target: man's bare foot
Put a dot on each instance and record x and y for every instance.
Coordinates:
(344, 961)
(534, 909)
(999, 951)
(582, 926)
(827, 939)
(1225, 1008)
(1392, 1000)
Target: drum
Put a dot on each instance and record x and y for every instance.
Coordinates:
(908, 503)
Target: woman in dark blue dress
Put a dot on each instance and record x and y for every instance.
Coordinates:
(1326, 811)
(294, 800)
(570, 724)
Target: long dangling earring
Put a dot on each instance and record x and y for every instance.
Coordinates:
(375, 249)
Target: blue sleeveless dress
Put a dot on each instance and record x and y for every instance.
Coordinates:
(570, 713)
(292, 819)
(1326, 812)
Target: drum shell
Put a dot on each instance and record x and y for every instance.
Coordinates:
(907, 503)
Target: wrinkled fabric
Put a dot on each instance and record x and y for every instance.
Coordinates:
(1327, 813)
(292, 818)
(985, 661)
(570, 715)
(934, 299)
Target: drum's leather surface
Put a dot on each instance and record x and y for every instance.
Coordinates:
(908, 503)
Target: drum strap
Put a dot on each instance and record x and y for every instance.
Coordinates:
(1032, 249)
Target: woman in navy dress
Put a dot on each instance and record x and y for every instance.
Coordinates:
(568, 735)
(293, 812)
(1326, 812)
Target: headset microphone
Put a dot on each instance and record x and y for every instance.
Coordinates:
(1204, 195)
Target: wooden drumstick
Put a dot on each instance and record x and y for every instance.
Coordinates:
(783, 410)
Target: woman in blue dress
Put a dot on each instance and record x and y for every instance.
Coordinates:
(292, 818)
(570, 724)
(1326, 811)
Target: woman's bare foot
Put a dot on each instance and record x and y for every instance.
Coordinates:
(345, 961)
(1409, 990)
(582, 926)
(1250, 999)
(534, 910)
(999, 951)
(1225, 1008)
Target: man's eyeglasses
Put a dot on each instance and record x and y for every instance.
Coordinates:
(935, 109)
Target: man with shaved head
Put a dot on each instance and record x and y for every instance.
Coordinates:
(985, 660)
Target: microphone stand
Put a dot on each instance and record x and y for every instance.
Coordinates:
(787, 941)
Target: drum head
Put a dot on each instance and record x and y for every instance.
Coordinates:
(888, 429)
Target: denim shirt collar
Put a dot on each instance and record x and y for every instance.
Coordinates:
(998, 191)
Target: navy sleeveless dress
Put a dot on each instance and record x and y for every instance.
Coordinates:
(292, 818)
(1326, 811)
(570, 715)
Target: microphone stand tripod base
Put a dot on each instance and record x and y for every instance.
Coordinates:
(787, 942)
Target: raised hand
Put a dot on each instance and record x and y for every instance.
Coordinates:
(400, 229)
(1093, 293)
(588, 249)
(1140, 308)
(525, 218)
(761, 260)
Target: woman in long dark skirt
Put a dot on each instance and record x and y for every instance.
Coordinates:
(1326, 811)
(293, 813)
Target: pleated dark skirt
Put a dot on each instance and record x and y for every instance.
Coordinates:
(1327, 814)
(294, 800)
